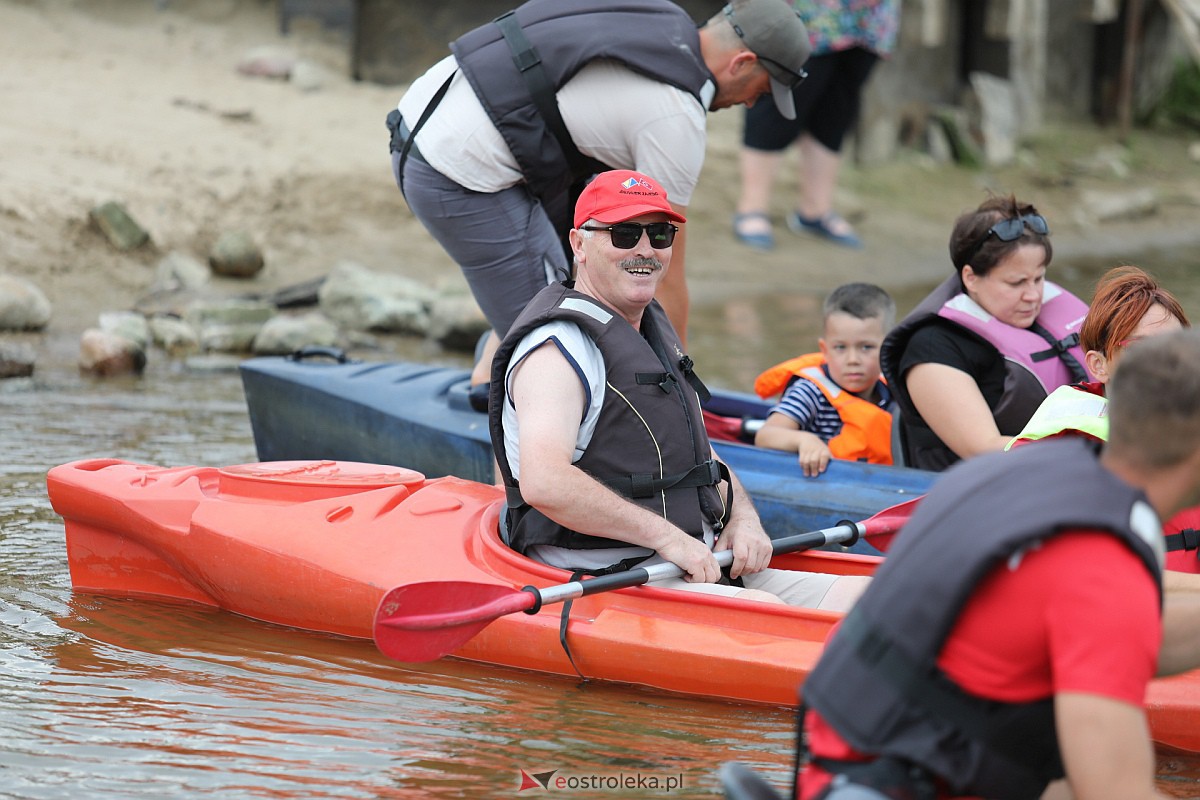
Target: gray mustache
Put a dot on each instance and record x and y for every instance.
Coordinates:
(641, 261)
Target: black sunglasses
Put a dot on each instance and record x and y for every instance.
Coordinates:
(797, 78)
(626, 235)
(1008, 230)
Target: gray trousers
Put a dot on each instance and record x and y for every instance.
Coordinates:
(504, 243)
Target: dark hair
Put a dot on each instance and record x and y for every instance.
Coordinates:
(861, 301)
(970, 241)
(1123, 296)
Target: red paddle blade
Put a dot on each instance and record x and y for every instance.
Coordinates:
(723, 429)
(425, 621)
(883, 527)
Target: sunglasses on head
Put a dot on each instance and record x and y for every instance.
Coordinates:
(1009, 230)
(626, 235)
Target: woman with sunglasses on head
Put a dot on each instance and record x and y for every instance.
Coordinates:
(976, 357)
(1129, 305)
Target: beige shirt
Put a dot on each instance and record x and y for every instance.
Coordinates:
(613, 114)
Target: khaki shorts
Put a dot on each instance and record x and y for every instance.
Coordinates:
(794, 588)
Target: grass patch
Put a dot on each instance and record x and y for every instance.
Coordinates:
(1181, 102)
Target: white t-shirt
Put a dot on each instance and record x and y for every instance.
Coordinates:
(615, 115)
(581, 352)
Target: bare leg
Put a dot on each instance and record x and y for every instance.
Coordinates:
(819, 168)
(759, 595)
(482, 373)
(844, 593)
(672, 292)
(758, 168)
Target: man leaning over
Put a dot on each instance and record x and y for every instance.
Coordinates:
(487, 145)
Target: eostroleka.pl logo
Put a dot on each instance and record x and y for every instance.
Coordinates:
(538, 780)
(557, 781)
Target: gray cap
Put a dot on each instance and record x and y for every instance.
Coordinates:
(773, 31)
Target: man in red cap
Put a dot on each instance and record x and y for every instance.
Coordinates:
(596, 424)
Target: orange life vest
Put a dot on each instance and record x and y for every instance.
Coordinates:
(866, 428)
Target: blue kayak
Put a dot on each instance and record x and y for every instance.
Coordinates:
(420, 416)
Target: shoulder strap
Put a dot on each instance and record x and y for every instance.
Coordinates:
(529, 64)
(396, 124)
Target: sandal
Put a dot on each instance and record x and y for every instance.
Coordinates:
(822, 227)
(759, 240)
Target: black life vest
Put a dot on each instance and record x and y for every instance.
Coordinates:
(877, 683)
(650, 446)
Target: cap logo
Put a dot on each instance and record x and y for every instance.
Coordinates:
(635, 185)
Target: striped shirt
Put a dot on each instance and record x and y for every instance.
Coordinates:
(806, 405)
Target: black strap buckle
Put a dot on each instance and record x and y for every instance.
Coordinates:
(663, 380)
(1186, 539)
(1059, 349)
(708, 473)
(687, 365)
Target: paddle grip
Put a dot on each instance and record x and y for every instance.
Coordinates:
(537, 599)
(854, 537)
(630, 577)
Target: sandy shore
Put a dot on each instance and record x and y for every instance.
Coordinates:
(142, 103)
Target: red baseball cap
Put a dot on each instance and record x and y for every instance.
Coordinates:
(622, 194)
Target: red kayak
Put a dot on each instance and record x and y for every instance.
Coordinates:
(316, 545)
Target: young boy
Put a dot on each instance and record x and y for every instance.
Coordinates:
(835, 403)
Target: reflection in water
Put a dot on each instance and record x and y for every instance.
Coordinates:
(116, 698)
(112, 698)
(211, 702)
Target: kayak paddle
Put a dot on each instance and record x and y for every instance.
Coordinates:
(425, 621)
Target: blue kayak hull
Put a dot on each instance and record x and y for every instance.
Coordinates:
(418, 416)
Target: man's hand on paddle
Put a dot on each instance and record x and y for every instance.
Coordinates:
(744, 534)
(750, 544)
(693, 556)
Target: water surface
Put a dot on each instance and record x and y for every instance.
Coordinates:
(112, 698)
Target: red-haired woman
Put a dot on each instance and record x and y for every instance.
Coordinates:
(1129, 305)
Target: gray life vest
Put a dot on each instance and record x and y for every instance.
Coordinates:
(653, 37)
(877, 683)
(650, 444)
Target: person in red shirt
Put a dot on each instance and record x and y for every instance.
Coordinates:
(995, 659)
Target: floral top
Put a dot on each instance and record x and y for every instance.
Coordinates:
(842, 24)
